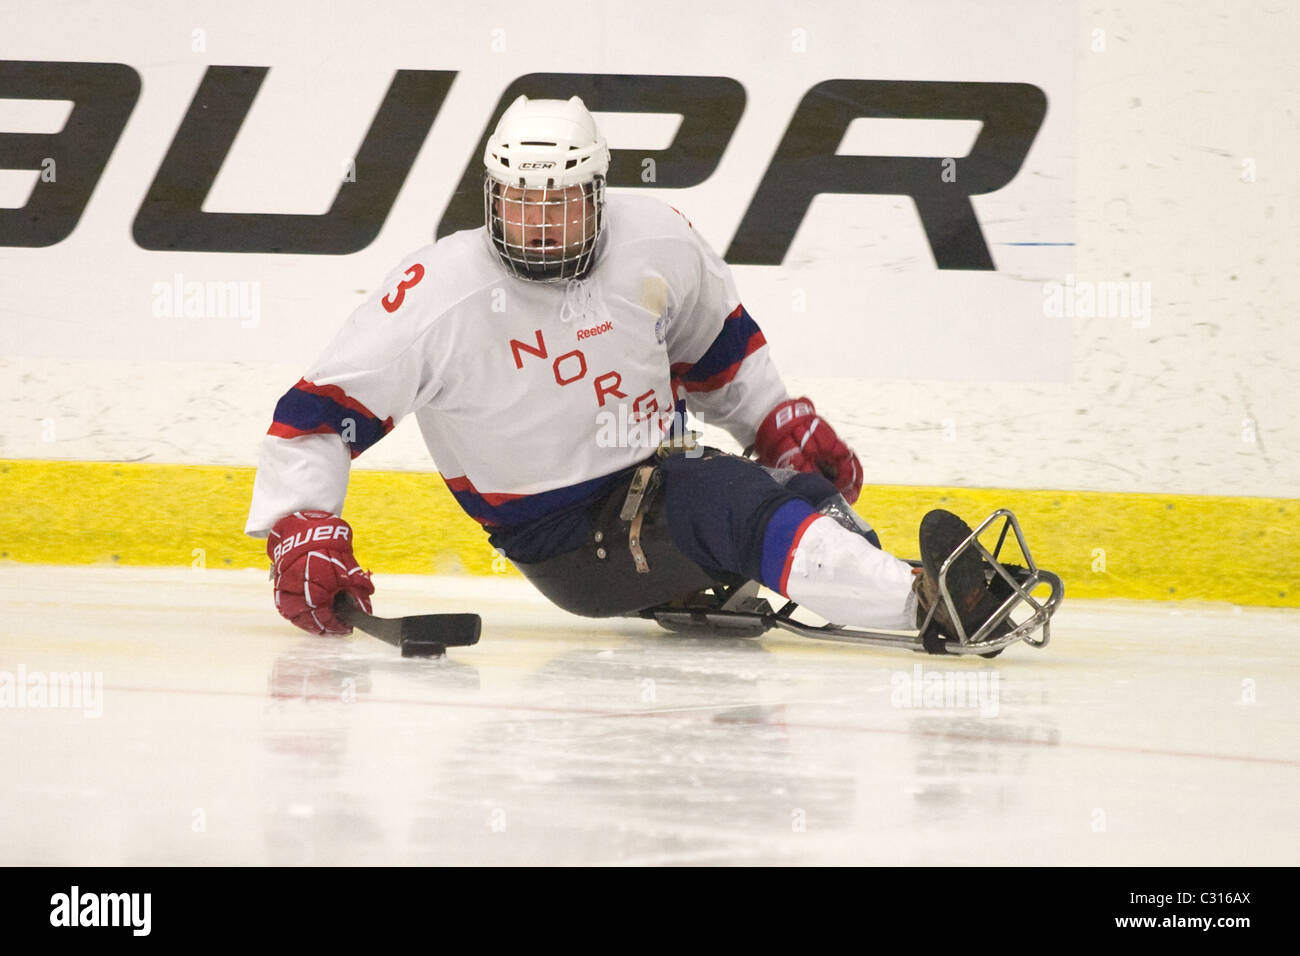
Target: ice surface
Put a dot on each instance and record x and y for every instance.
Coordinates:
(1144, 734)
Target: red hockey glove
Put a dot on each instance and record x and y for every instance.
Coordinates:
(793, 436)
(311, 555)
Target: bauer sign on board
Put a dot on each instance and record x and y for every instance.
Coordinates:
(882, 203)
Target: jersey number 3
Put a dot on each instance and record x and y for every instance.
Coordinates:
(392, 303)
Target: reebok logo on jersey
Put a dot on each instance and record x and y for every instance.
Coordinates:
(595, 330)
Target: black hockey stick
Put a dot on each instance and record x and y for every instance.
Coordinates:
(420, 635)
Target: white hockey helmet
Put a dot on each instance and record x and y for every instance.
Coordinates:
(544, 188)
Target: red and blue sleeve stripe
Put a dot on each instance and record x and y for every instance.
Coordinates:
(740, 337)
(311, 409)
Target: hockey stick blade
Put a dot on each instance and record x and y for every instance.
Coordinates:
(420, 635)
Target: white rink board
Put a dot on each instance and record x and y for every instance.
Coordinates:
(937, 376)
(326, 81)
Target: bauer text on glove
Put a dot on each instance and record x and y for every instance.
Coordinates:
(312, 562)
(794, 436)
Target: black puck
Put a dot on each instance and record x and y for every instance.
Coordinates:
(423, 649)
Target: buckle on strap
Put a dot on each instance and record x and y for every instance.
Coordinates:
(678, 443)
(634, 509)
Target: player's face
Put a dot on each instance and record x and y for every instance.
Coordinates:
(546, 223)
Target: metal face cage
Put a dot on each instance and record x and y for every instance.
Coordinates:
(544, 234)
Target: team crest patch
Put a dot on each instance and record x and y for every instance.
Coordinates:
(661, 328)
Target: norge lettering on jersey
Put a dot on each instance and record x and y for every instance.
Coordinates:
(508, 378)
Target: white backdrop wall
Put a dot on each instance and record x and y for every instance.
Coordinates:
(1164, 163)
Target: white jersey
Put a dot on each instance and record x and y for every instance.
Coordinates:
(527, 393)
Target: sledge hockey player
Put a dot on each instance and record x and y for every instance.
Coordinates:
(533, 352)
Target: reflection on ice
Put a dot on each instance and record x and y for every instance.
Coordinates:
(227, 737)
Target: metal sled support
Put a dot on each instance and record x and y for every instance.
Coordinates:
(1018, 585)
(1020, 617)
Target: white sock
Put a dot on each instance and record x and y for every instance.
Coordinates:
(838, 575)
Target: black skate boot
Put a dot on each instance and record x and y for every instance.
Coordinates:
(941, 533)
